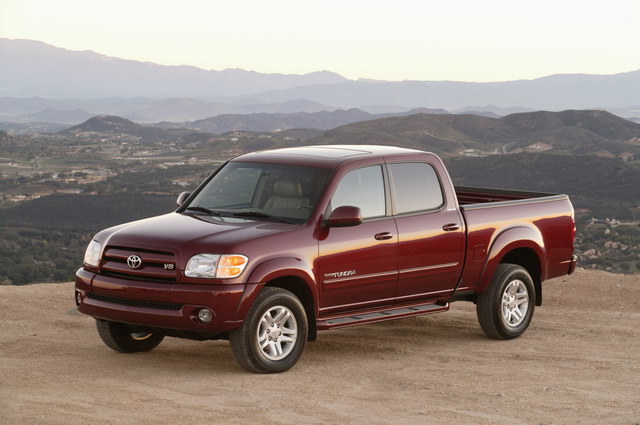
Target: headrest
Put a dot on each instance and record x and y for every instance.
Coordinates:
(288, 188)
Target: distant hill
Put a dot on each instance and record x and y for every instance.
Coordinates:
(107, 124)
(117, 126)
(577, 132)
(323, 120)
(59, 116)
(491, 111)
(188, 109)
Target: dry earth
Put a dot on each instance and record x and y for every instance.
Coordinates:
(579, 363)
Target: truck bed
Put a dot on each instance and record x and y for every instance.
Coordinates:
(478, 197)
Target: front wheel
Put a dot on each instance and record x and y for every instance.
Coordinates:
(274, 333)
(122, 338)
(505, 309)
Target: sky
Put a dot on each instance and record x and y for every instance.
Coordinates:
(458, 40)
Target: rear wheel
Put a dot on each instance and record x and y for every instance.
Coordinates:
(505, 309)
(274, 333)
(122, 338)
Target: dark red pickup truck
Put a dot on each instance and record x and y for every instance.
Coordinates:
(277, 245)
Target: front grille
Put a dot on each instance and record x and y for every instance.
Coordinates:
(135, 303)
(155, 266)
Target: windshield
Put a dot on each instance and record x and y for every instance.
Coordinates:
(256, 191)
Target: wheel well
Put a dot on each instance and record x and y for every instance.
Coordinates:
(300, 289)
(528, 259)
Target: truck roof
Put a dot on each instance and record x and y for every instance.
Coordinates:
(325, 155)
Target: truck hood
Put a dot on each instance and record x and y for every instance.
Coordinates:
(171, 232)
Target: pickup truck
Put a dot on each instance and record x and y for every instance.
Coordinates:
(277, 245)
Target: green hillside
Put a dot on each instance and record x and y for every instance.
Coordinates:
(575, 132)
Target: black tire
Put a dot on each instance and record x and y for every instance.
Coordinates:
(505, 309)
(274, 333)
(122, 338)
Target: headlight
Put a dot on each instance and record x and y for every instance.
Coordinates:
(202, 265)
(92, 254)
(216, 266)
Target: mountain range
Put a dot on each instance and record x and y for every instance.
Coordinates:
(144, 110)
(86, 74)
(55, 83)
(556, 92)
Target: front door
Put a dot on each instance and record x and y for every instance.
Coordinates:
(357, 266)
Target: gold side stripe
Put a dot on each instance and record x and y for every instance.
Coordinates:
(364, 276)
(382, 274)
(421, 269)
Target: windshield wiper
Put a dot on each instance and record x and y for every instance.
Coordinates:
(204, 210)
(258, 214)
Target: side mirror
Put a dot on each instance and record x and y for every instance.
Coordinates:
(345, 216)
(182, 197)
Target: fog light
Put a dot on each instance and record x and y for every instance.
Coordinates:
(78, 298)
(205, 315)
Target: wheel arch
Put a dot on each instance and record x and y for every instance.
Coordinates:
(287, 273)
(298, 287)
(528, 259)
(523, 246)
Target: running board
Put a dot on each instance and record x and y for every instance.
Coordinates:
(371, 316)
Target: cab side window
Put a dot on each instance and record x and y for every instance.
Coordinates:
(416, 187)
(362, 188)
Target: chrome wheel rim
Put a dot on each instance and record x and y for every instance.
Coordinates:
(515, 303)
(277, 333)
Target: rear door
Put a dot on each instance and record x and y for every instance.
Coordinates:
(357, 265)
(430, 230)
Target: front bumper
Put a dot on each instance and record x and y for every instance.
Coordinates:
(161, 305)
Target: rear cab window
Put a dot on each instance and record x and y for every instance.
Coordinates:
(416, 188)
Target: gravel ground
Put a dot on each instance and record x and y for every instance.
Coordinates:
(579, 363)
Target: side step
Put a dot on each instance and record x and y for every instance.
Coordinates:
(371, 316)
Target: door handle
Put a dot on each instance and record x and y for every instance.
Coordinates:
(383, 236)
(450, 227)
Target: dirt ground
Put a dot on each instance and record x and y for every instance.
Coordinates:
(579, 363)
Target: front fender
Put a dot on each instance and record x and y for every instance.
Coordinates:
(511, 239)
(281, 267)
(274, 269)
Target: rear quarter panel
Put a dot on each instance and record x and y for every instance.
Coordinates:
(544, 226)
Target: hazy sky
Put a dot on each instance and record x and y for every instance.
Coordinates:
(468, 40)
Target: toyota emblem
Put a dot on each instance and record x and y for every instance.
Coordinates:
(134, 261)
